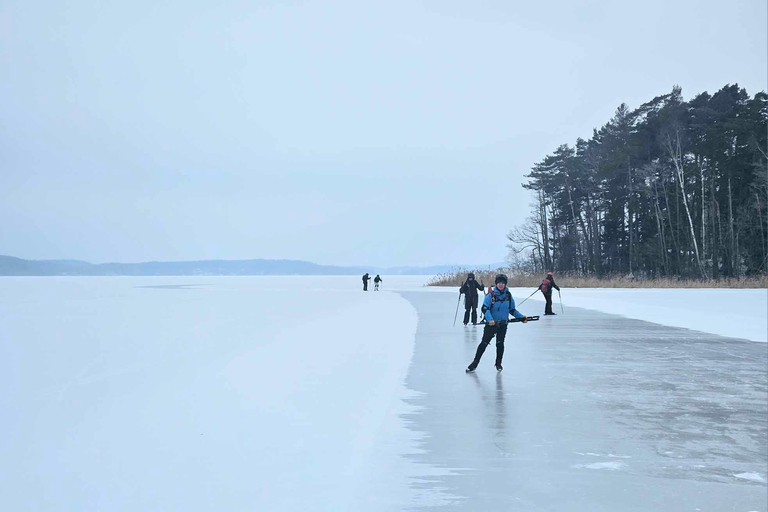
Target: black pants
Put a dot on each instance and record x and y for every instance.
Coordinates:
(365, 285)
(474, 315)
(500, 331)
(548, 307)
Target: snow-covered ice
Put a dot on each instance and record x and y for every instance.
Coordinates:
(611, 466)
(735, 313)
(202, 393)
(752, 477)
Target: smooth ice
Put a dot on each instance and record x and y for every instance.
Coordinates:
(593, 412)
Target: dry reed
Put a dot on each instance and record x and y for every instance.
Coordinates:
(571, 280)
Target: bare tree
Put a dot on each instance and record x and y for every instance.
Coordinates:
(526, 243)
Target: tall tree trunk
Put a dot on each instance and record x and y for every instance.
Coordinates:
(629, 210)
(714, 216)
(580, 250)
(544, 228)
(672, 231)
(603, 252)
(588, 234)
(660, 230)
(556, 245)
(587, 263)
(764, 162)
(722, 253)
(763, 245)
(703, 211)
(597, 237)
(594, 253)
(734, 250)
(675, 152)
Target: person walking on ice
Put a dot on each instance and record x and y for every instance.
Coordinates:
(546, 288)
(366, 278)
(497, 307)
(376, 281)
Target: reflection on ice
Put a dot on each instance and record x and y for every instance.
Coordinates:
(587, 406)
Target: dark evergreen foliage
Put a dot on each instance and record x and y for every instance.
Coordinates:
(672, 188)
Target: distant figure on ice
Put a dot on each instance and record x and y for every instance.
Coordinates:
(497, 307)
(376, 281)
(469, 289)
(546, 288)
(366, 278)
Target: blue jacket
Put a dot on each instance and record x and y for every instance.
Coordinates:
(498, 306)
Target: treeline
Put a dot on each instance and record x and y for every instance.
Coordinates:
(673, 188)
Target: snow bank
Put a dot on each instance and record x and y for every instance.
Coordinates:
(735, 313)
(727, 312)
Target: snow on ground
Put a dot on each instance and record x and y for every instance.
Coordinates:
(203, 393)
(752, 477)
(735, 313)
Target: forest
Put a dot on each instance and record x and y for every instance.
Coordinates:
(673, 188)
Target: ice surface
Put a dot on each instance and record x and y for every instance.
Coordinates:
(304, 393)
(593, 412)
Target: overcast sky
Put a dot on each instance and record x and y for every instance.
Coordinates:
(354, 132)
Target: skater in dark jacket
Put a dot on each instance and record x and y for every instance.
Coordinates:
(366, 278)
(497, 307)
(546, 288)
(469, 289)
(377, 280)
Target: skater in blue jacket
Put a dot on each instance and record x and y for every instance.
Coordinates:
(497, 307)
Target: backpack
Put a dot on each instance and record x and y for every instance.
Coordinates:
(545, 285)
(507, 295)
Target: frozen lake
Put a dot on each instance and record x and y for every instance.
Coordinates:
(304, 393)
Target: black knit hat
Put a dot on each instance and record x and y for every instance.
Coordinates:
(501, 278)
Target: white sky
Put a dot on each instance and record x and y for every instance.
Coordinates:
(366, 133)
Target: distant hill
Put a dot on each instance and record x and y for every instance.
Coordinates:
(10, 266)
